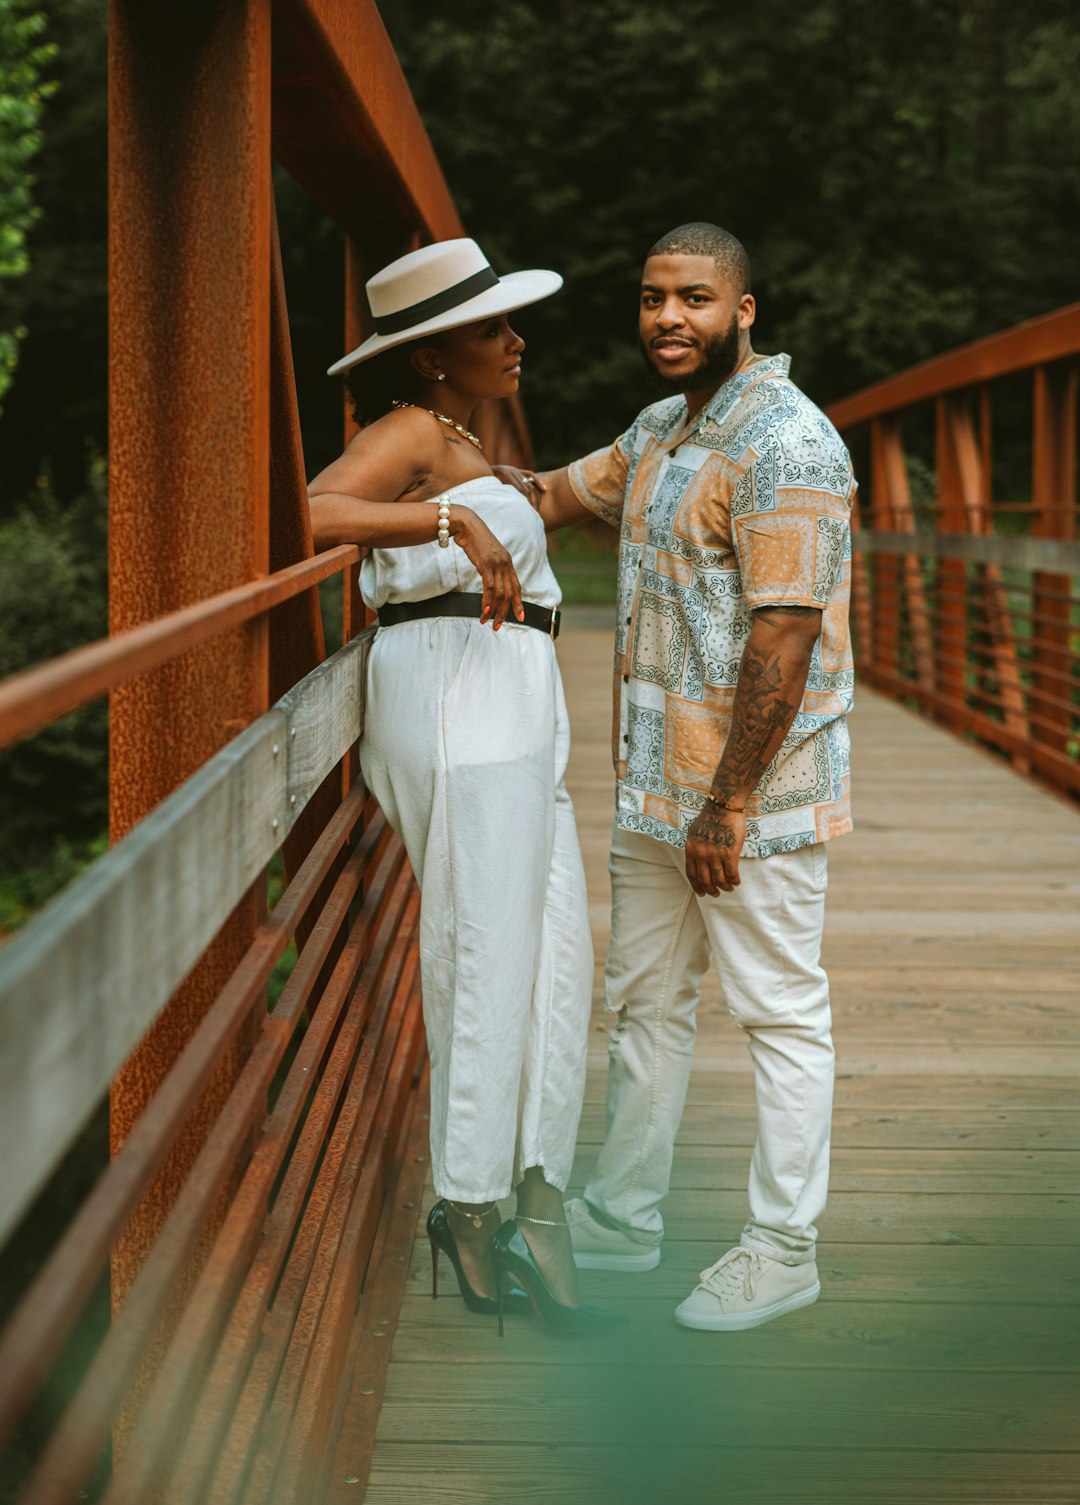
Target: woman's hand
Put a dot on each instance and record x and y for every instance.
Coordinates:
(502, 592)
(527, 482)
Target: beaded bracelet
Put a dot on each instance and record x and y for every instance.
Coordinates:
(723, 804)
(444, 524)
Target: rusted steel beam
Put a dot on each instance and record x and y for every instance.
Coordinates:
(296, 629)
(1052, 337)
(887, 595)
(189, 267)
(894, 473)
(347, 128)
(1053, 485)
(30, 700)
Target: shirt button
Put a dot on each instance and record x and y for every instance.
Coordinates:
(626, 679)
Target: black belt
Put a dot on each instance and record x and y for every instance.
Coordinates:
(467, 604)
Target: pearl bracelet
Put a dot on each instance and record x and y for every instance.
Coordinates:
(444, 524)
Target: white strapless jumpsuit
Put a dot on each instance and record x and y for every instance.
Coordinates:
(465, 744)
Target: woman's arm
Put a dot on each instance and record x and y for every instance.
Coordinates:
(353, 501)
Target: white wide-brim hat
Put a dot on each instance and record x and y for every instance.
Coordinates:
(441, 287)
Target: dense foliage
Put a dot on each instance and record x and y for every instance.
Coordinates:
(23, 56)
(906, 177)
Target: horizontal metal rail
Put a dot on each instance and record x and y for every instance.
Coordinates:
(1053, 337)
(951, 609)
(30, 700)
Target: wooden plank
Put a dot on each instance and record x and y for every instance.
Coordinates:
(941, 1362)
(850, 1335)
(81, 984)
(463, 1473)
(378, 1315)
(773, 1408)
(901, 1273)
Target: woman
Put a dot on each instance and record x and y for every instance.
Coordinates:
(465, 747)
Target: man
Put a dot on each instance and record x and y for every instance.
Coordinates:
(733, 680)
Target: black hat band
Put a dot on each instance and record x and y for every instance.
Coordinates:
(441, 303)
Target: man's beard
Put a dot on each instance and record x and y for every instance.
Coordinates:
(720, 356)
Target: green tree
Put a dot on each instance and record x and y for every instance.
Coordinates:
(23, 91)
(904, 176)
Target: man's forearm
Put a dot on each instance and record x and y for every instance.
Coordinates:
(559, 505)
(772, 678)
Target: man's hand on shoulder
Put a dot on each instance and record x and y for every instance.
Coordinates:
(713, 844)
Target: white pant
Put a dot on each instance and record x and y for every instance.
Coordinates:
(465, 746)
(765, 938)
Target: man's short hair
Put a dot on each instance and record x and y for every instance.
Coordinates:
(699, 238)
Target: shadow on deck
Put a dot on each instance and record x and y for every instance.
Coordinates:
(941, 1362)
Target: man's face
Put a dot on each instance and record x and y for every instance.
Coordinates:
(691, 322)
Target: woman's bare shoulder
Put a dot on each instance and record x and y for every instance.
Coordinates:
(385, 459)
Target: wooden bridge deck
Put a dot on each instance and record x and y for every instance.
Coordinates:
(941, 1363)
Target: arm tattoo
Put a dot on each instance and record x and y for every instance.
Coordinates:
(711, 826)
(761, 710)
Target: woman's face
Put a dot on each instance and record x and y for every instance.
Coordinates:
(481, 360)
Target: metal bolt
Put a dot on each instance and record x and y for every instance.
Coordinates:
(418, 1159)
(377, 1332)
(368, 1390)
(274, 825)
(276, 749)
(352, 1478)
(292, 799)
(292, 732)
(410, 1204)
(384, 1321)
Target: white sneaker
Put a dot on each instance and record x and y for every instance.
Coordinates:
(600, 1248)
(744, 1289)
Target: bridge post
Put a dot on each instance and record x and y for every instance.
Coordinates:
(189, 249)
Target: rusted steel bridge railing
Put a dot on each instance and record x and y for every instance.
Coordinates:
(252, 1150)
(966, 565)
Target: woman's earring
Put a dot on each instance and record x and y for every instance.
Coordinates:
(441, 376)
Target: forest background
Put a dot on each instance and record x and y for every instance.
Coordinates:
(904, 175)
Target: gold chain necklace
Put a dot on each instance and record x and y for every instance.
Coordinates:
(460, 427)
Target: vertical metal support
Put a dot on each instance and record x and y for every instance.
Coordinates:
(189, 253)
(964, 455)
(952, 616)
(357, 328)
(886, 599)
(1053, 493)
(892, 471)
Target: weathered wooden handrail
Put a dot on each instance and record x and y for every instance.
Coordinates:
(86, 978)
(1029, 554)
(974, 624)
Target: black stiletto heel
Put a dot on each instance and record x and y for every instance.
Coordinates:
(514, 1258)
(441, 1237)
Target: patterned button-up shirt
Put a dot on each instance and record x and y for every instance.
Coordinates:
(746, 506)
